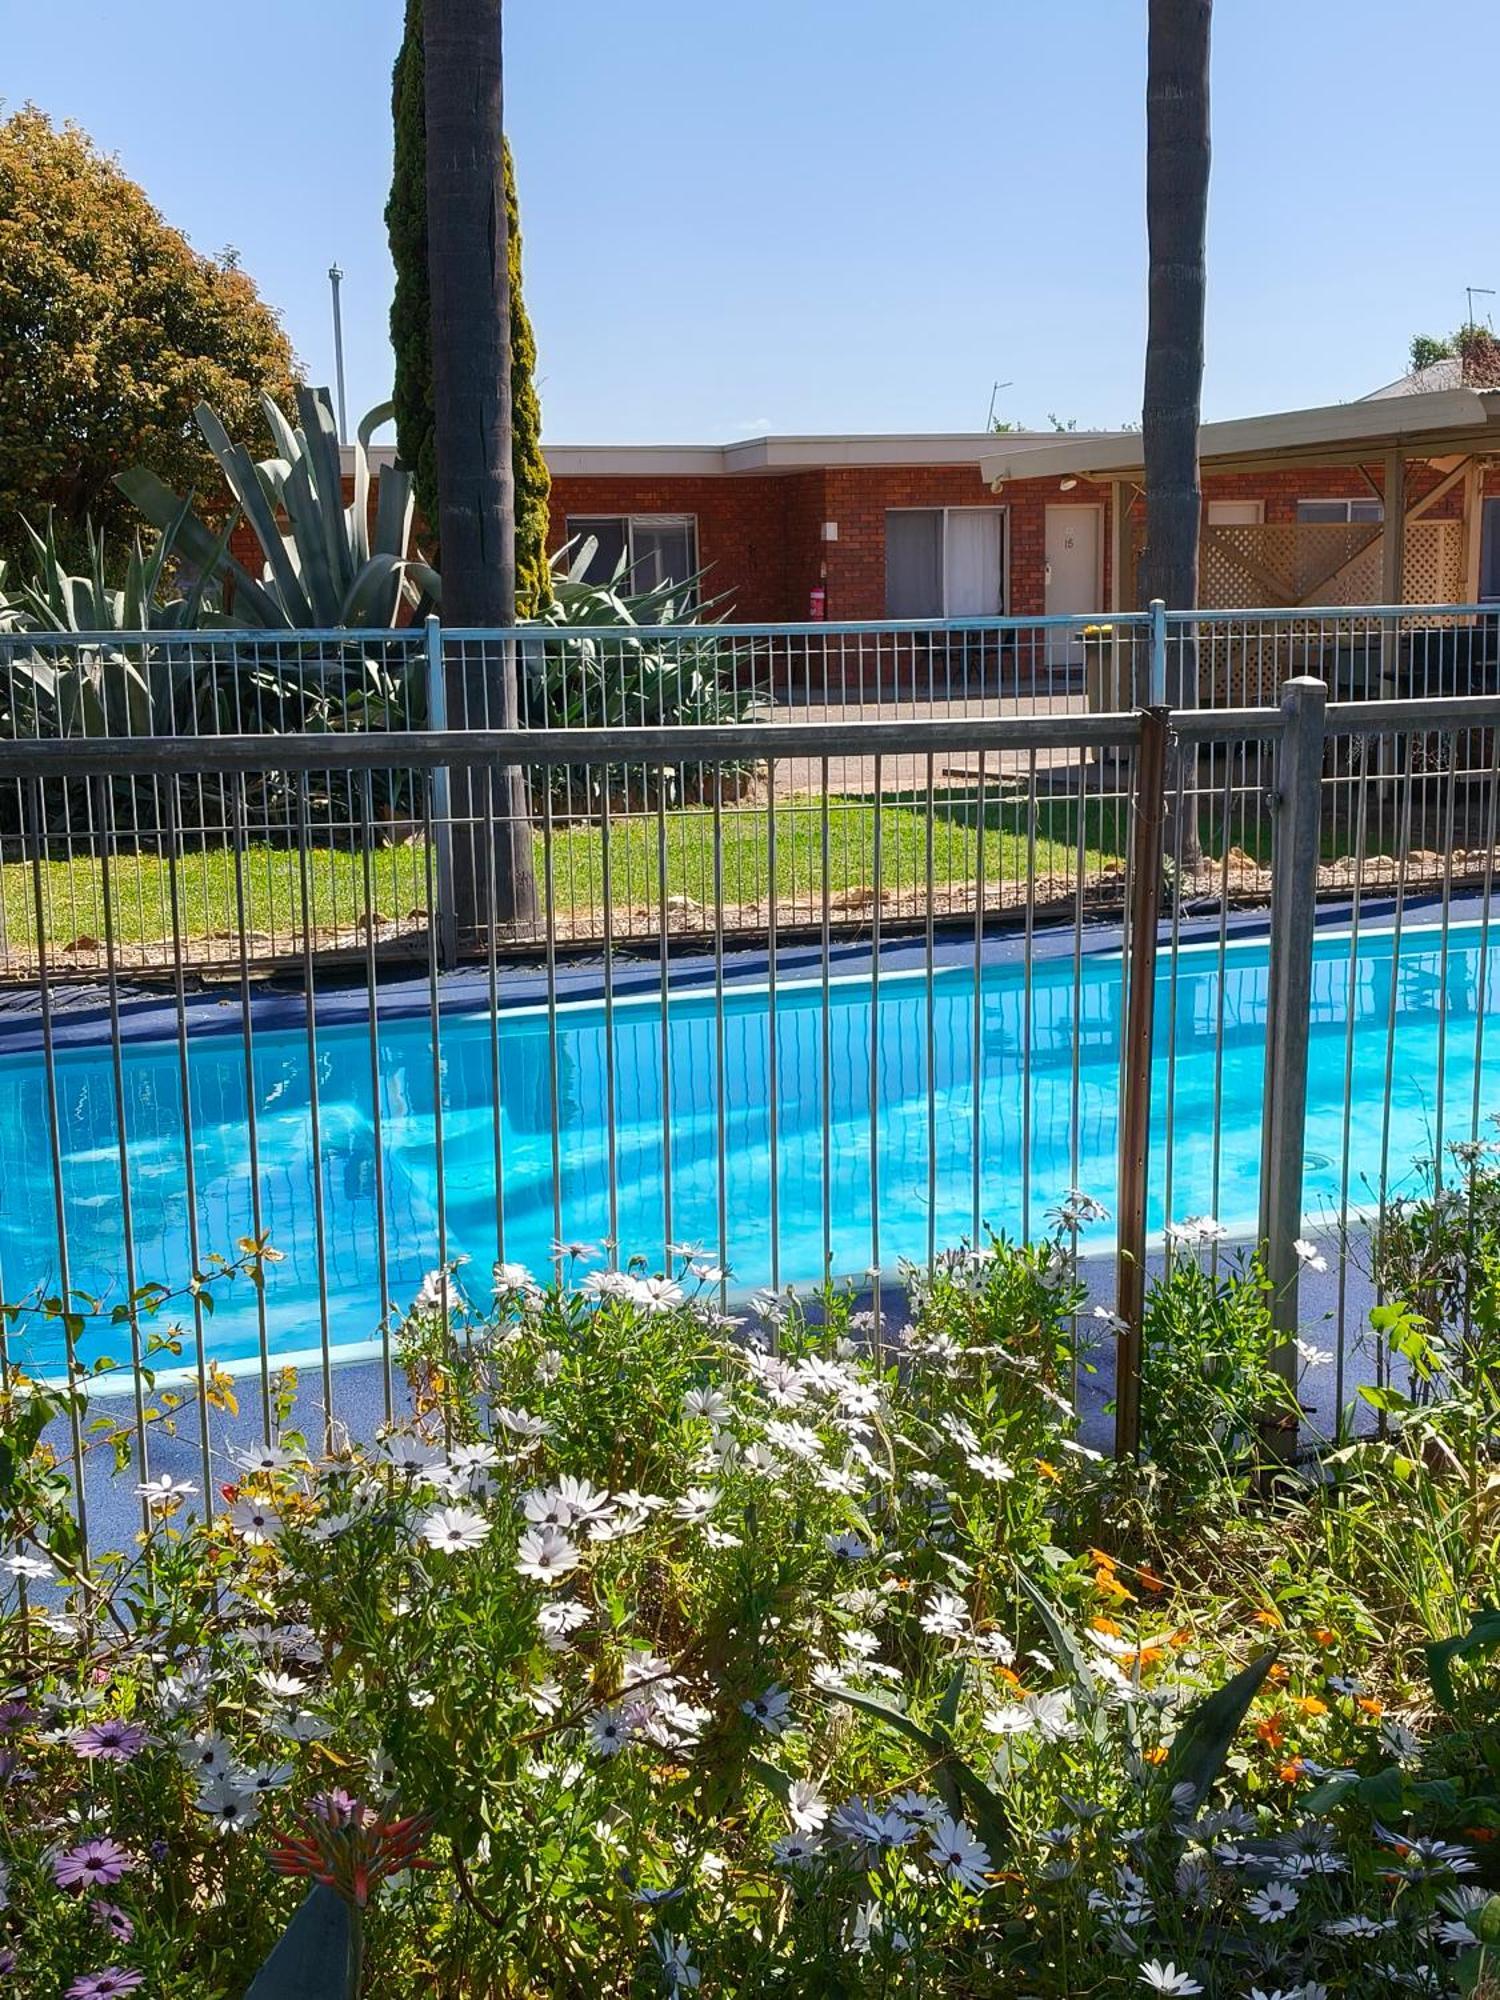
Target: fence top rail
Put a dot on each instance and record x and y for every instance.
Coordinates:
(1318, 614)
(719, 743)
(416, 635)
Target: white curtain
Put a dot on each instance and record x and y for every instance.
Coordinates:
(973, 562)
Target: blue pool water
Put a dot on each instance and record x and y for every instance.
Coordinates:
(925, 1124)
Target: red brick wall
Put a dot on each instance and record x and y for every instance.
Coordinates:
(742, 535)
(760, 535)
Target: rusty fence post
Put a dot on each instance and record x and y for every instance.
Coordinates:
(1298, 801)
(1148, 814)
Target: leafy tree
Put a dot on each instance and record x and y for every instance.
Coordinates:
(112, 330)
(1426, 348)
(411, 330)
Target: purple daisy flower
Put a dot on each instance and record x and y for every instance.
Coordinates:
(7, 1962)
(93, 1864)
(113, 1918)
(105, 1985)
(112, 1741)
(15, 1714)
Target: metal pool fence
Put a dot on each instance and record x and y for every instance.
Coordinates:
(371, 870)
(1072, 988)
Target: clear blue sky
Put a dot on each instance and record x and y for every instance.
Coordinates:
(810, 215)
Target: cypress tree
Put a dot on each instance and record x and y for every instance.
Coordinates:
(411, 331)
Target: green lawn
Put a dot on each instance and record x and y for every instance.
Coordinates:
(1012, 847)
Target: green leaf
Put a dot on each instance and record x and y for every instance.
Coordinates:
(947, 1709)
(311, 1960)
(949, 1771)
(1209, 1727)
(1483, 1636)
(1062, 1636)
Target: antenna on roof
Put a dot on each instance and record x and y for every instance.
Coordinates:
(1473, 292)
(995, 388)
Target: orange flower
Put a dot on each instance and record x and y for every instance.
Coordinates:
(1101, 1560)
(1046, 1470)
(1308, 1704)
(1324, 1637)
(1271, 1729)
(1266, 1616)
(1006, 1674)
(1276, 1674)
(1156, 1756)
(1103, 1624)
(1368, 1705)
(1479, 1833)
(1291, 1771)
(1109, 1585)
(1150, 1581)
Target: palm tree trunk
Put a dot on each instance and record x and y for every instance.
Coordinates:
(1177, 165)
(493, 879)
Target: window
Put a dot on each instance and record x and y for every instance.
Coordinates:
(944, 562)
(1340, 512)
(657, 550)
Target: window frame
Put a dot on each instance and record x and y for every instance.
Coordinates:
(1366, 500)
(1003, 511)
(581, 524)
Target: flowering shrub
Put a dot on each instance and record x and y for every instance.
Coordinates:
(657, 1653)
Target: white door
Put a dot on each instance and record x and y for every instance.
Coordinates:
(1074, 575)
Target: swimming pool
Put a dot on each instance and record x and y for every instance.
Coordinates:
(904, 1094)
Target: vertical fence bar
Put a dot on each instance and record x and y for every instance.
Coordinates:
(1156, 676)
(444, 916)
(1149, 808)
(1294, 889)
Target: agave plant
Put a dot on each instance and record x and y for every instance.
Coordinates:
(323, 569)
(53, 600)
(577, 677)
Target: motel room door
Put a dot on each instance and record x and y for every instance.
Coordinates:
(1074, 550)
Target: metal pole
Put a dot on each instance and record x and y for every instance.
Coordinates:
(444, 918)
(1156, 693)
(1135, 1084)
(1294, 886)
(335, 279)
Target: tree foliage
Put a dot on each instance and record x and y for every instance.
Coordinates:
(411, 331)
(112, 330)
(1475, 348)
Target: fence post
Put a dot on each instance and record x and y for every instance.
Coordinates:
(1297, 801)
(445, 917)
(1148, 817)
(1156, 694)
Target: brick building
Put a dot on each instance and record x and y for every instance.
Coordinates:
(785, 529)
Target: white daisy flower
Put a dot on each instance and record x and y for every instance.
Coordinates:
(545, 1554)
(1273, 1904)
(1166, 1978)
(711, 1404)
(256, 1522)
(230, 1807)
(455, 1530)
(806, 1806)
(962, 1857)
(770, 1709)
(611, 1729)
(164, 1491)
